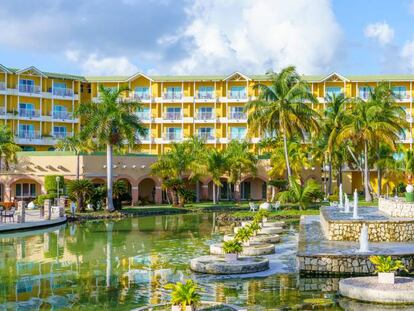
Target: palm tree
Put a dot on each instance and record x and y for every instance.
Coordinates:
(378, 119)
(215, 167)
(8, 148)
(302, 195)
(75, 144)
(283, 108)
(111, 123)
(385, 163)
(80, 190)
(240, 161)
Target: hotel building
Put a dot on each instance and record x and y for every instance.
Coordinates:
(38, 106)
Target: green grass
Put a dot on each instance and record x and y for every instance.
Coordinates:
(286, 213)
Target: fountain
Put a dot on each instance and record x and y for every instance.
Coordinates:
(363, 240)
(341, 201)
(346, 204)
(355, 214)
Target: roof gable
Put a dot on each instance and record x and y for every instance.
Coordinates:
(334, 77)
(139, 74)
(32, 70)
(237, 76)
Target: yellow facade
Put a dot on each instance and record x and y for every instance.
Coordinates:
(174, 108)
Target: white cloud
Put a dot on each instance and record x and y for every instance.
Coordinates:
(257, 35)
(92, 64)
(407, 53)
(382, 32)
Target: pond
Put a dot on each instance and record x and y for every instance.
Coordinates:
(125, 264)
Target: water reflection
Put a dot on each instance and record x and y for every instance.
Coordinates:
(125, 264)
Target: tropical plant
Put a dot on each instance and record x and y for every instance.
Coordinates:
(301, 195)
(368, 122)
(406, 164)
(283, 108)
(262, 213)
(385, 264)
(8, 148)
(111, 123)
(184, 294)
(244, 234)
(232, 247)
(215, 167)
(80, 191)
(75, 144)
(385, 163)
(254, 226)
(120, 189)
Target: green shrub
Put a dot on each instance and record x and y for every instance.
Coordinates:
(232, 247)
(189, 195)
(184, 294)
(386, 264)
(40, 199)
(51, 184)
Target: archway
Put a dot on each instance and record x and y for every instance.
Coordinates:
(253, 188)
(146, 190)
(98, 182)
(25, 189)
(127, 198)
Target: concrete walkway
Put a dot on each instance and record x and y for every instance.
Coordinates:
(33, 221)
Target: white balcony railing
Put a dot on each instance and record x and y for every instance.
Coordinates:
(364, 95)
(143, 115)
(401, 95)
(62, 115)
(237, 95)
(141, 96)
(238, 137)
(205, 136)
(205, 116)
(29, 135)
(61, 135)
(173, 116)
(173, 96)
(63, 92)
(205, 95)
(2, 86)
(2, 111)
(237, 115)
(32, 89)
(173, 136)
(28, 113)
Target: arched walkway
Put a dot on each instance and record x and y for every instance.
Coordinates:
(147, 190)
(253, 188)
(127, 198)
(24, 189)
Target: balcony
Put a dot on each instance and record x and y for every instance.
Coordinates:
(238, 95)
(364, 95)
(61, 135)
(29, 89)
(401, 96)
(29, 135)
(143, 115)
(206, 136)
(205, 116)
(62, 92)
(141, 96)
(238, 137)
(173, 116)
(238, 116)
(62, 115)
(146, 139)
(205, 97)
(2, 86)
(28, 113)
(173, 136)
(172, 96)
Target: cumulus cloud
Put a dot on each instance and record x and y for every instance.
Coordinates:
(407, 53)
(382, 32)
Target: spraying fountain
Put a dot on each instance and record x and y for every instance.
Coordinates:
(346, 204)
(363, 240)
(355, 214)
(341, 201)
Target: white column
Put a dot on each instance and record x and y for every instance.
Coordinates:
(41, 106)
(411, 115)
(324, 94)
(312, 94)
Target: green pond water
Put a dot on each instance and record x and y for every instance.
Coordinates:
(121, 265)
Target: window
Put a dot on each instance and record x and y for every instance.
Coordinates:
(205, 113)
(173, 113)
(27, 131)
(59, 132)
(25, 190)
(26, 110)
(205, 133)
(237, 133)
(364, 92)
(144, 113)
(59, 85)
(333, 91)
(142, 92)
(28, 86)
(400, 92)
(238, 92)
(173, 92)
(173, 133)
(205, 92)
(237, 113)
(60, 112)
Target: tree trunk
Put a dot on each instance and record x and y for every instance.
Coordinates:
(379, 174)
(197, 191)
(340, 174)
(285, 147)
(77, 165)
(109, 228)
(214, 193)
(218, 194)
(109, 178)
(330, 177)
(368, 197)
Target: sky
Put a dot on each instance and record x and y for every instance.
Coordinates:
(122, 37)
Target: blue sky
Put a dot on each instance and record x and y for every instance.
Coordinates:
(102, 37)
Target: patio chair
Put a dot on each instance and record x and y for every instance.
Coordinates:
(276, 206)
(253, 206)
(8, 214)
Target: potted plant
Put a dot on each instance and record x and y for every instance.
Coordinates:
(385, 266)
(254, 226)
(184, 296)
(264, 214)
(232, 249)
(243, 235)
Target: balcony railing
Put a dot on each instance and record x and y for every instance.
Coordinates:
(237, 95)
(205, 136)
(364, 95)
(2, 86)
(238, 137)
(142, 96)
(237, 115)
(30, 135)
(173, 95)
(205, 116)
(62, 115)
(143, 138)
(401, 95)
(173, 116)
(173, 136)
(205, 95)
(61, 135)
(28, 113)
(63, 92)
(2, 111)
(143, 115)
(32, 89)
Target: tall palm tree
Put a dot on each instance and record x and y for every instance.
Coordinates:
(75, 144)
(215, 167)
(378, 119)
(111, 123)
(8, 148)
(283, 108)
(385, 163)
